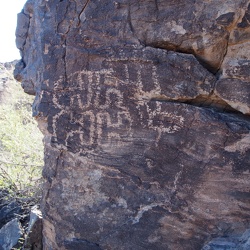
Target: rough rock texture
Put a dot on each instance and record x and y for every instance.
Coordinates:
(34, 232)
(241, 242)
(144, 107)
(10, 234)
(8, 212)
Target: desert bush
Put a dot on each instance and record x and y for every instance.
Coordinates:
(21, 148)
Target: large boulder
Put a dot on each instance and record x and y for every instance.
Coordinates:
(144, 107)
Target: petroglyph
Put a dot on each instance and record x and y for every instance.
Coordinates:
(142, 150)
(160, 120)
(86, 128)
(94, 108)
(122, 121)
(156, 89)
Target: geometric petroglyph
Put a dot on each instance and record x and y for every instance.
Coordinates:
(96, 110)
(94, 106)
(159, 119)
(153, 116)
(163, 121)
(156, 118)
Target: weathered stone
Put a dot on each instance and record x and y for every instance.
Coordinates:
(22, 31)
(240, 33)
(230, 243)
(141, 191)
(139, 153)
(197, 27)
(234, 86)
(33, 239)
(8, 212)
(10, 234)
(235, 92)
(236, 64)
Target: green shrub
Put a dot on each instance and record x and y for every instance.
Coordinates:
(21, 148)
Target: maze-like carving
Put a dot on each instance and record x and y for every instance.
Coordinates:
(95, 110)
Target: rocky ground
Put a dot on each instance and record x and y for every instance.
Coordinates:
(19, 181)
(14, 219)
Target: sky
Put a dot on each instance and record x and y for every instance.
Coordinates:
(8, 19)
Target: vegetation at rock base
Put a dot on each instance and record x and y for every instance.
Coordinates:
(21, 153)
(21, 149)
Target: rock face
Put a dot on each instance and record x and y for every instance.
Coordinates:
(241, 242)
(34, 232)
(144, 107)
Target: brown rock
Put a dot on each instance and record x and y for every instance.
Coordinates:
(197, 27)
(171, 189)
(234, 86)
(236, 63)
(235, 92)
(138, 151)
(33, 239)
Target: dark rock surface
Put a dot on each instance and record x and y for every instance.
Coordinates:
(20, 221)
(10, 234)
(144, 107)
(230, 243)
(34, 231)
(8, 212)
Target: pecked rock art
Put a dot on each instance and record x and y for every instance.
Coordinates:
(144, 107)
(109, 102)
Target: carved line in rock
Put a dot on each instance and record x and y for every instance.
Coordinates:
(209, 100)
(101, 121)
(170, 48)
(156, 91)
